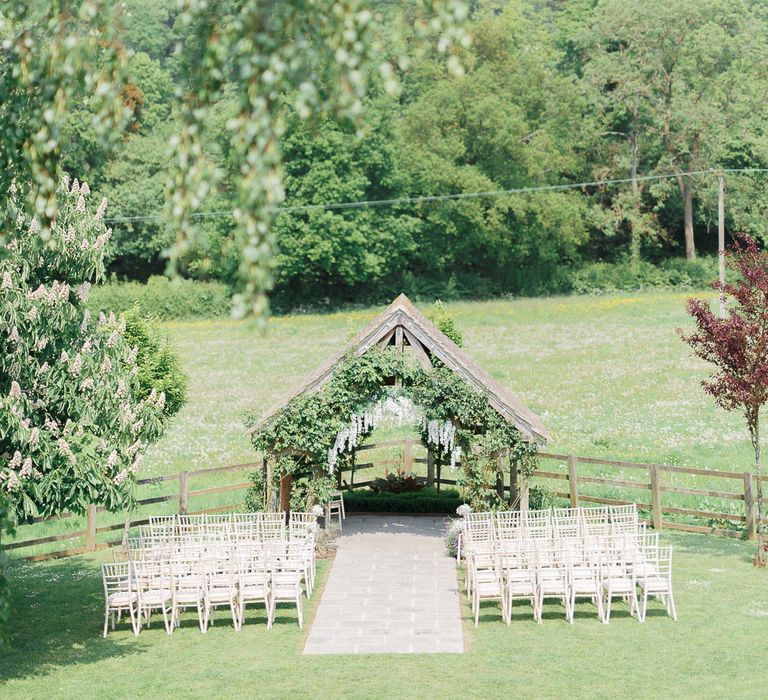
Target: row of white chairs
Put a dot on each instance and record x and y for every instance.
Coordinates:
(543, 554)
(245, 558)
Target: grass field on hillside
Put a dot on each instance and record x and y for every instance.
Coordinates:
(608, 375)
(714, 650)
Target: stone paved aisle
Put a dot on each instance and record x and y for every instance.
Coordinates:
(392, 589)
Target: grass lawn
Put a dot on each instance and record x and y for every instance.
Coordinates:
(715, 649)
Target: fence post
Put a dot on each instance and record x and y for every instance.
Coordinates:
(430, 467)
(183, 492)
(573, 487)
(656, 497)
(352, 473)
(749, 507)
(408, 457)
(90, 538)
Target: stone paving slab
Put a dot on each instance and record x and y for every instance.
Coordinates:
(392, 589)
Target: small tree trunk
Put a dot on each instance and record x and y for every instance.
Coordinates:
(690, 245)
(755, 435)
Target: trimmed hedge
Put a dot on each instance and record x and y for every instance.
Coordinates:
(162, 299)
(427, 500)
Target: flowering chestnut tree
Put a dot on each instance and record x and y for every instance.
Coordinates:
(72, 428)
(737, 346)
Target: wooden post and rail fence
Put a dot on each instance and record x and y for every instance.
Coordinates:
(572, 470)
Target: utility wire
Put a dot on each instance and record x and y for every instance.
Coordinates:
(425, 199)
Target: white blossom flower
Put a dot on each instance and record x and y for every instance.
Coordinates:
(69, 235)
(132, 355)
(15, 460)
(84, 245)
(122, 389)
(84, 189)
(317, 511)
(65, 450)
(152, 395)
(32, 315)
(77, 365)
(14, 336)
(26, 468)
(34, 226)
(13, 481)
(15, 392)
(102, 208)
(112, 459)
(161, 400)
(64, 356)
(41, 344)
(86, 346)
(34, 436)
(106, 366)
(102, 446)
(137, 464)
(102, 318)
(121, 476)
(86, 320)
(82, 292)
(80, 203)
(113, 337)
(75, 187)
(44, 368)
(7, 280)
(87, 384)
(133, 449)
(464, 510)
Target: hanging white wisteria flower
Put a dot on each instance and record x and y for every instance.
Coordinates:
(390, 410)
(442, 434)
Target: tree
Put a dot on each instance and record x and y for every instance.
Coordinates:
(73, 424)
(684, 74)
(738, 348)
(159, 366)
(510, 122)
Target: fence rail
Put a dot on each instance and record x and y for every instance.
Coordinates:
(651, 482)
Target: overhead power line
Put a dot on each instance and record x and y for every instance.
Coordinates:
(426, 199)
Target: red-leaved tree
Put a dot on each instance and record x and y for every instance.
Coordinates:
(737, 346)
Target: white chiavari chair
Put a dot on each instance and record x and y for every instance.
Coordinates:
(519, 579)
(551, 580)
(188, 588)
(119, 594)
(286, 573)
(253, 581)
(617, 580)
(656, 580)
(153, 585)
(220, 588)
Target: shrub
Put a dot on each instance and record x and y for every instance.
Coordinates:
(443, 319)
(324, 541)
(162, 299)
(451, 537)
(624, 277)
(541, 498)
(398, 483)
(159, 367)
(426, 500)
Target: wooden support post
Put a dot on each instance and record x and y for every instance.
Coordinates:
(90, 538)
(513, 493)
(524, 497)
(658, 518)
(399, 345)
(408, 457)
(285, 494)
(439, 461)
(430, 467)
(352, 473)
(749, 507)
(500, 482)
(573, 487)
(183, 493)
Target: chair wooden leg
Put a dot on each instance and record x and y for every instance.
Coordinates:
(106, 621)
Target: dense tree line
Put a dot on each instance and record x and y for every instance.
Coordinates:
(553, 92)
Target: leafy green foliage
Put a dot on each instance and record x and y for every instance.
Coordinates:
(309, 423)
(73, 427)
(442, 318)
(397, 483)
(162, 299)
(426, 500)
(159, 367)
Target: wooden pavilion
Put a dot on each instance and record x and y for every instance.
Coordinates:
(403, 326)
